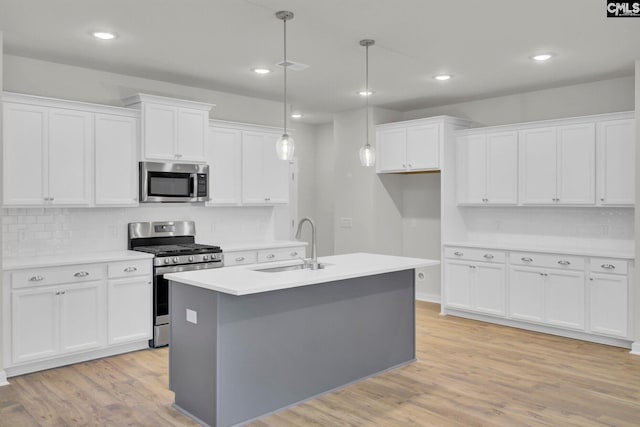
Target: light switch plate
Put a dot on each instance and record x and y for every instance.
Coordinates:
(192, 316)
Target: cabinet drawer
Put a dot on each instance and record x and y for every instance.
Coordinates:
(280, 254)
(474, 254)
(609, 265)
(240, 258)
(129, 268)
(569, 262)
(55, 275)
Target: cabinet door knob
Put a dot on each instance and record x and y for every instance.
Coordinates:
(410, 165)
(526, 259)
(602, 199)
(130, 269)
(608, 266)
(488, 256)
(36, 278)
(270, 256)
(58, 293)
(458, 253)
(563, 262)
(81, 274)
(239, 259)
(293, 254)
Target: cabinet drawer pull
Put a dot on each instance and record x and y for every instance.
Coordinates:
(81, 274)
(526, 259)
(271, 256)
(563, 262)
(472, 266)
(293, 254)
(239, 259)
(485, 200)
(130, 269)
(266, 199)
(458, 253)
(488, 256)
(608, 266)
(37, 278)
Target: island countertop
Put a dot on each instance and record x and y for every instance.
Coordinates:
(246, 280)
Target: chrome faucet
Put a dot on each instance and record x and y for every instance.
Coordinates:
(313, 262)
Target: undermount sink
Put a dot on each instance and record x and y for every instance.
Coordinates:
(289, 268)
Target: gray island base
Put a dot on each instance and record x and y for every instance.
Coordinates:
(236, 358)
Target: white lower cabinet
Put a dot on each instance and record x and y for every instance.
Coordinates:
(55, 320)
(58, 315)
(609, 304)
(581, 294)
(476, 286)
(130, 316)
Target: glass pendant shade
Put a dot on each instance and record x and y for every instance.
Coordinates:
(285, 145)
(367, 155)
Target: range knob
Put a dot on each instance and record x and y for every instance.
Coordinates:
(166, 260)
(205, 257)
(190, 258)
(175, 260)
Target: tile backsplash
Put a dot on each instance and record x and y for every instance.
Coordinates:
(39, 231)
(603, 228)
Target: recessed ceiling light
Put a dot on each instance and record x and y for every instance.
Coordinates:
(542, 57)
(296, 115)
(442, 77)
(365, 93)
(103, 35)
(261, 70)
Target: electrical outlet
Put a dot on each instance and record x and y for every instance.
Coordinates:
(192, 316)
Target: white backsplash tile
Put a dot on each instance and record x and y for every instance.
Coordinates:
(39, 231)
(566, 227)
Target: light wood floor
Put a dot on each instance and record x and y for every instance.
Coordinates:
(468, 373)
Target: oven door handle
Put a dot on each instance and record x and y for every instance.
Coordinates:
(158, 271)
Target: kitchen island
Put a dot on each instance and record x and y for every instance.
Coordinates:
(246, 341)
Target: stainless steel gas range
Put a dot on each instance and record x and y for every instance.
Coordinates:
(174, 247)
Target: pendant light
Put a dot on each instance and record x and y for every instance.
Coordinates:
(367, 152)
(285, 144)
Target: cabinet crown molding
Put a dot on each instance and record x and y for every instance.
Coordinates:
(595, 118)
(20, 98)
(135, 100)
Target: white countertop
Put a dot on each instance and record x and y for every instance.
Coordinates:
(256, 246)
(37, 261)
(245, 280)
(584, 251)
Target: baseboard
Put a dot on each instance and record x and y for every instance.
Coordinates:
(58, 361)
(635, 348)
(3, 378)
(545, 329)
(421, 296)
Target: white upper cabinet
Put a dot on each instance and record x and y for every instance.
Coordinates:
(172, 129)
(26, 137)
(265, 178)
(116, 182)
(224, 157)
(487, 168)
(557, 165)
(59, 142)
(409, 146)
(68, 153)
(616, 158)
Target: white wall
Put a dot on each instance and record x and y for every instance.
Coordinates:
(2, 374)
(370, 202)
(636, 344)
(603, 96)
(324, 189)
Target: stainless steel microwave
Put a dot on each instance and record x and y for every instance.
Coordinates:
(173, 182)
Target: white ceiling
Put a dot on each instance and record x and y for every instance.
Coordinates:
(213, 44)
